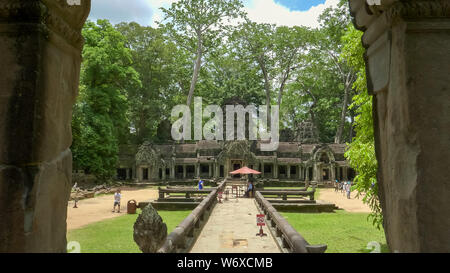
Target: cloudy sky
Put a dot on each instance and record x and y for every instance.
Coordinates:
(280, 12)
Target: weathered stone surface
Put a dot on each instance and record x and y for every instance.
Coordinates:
(33, 202)
(40, 43)
(408, 64)
(150, 231)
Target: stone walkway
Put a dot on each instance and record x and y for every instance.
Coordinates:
(231, 228)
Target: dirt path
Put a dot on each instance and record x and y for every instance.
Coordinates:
(100, 208)
(232, 228)
(351, 205)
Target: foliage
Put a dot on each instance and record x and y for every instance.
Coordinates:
(197, 26)
(100, 121)
(163, 71)
(361, 152)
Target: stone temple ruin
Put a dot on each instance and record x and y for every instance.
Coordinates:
(407, 59)
(216, 159)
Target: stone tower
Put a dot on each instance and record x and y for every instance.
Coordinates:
(307, 132)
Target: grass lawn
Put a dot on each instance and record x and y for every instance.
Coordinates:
(343, 232)
(116, 235)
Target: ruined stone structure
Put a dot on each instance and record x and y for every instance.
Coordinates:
(150, 232)
(214, 159)
(408, 64)
(40, 45)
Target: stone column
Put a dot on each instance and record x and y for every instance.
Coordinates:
(197, 170)
(172, 171)
(408, 63)
(184, 171)
(216, 169)
(210, 170)
(307, 173)
(163, 172)
(40, 45)
(275, 170)
(262, 169)
(288, 171)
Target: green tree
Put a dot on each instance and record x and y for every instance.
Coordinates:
(100, 119)
(361, 152)
(197, 26)
(163, 69)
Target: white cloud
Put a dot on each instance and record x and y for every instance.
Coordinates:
(146, 12)
(267, 11)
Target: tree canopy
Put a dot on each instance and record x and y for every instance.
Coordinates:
(132, 76)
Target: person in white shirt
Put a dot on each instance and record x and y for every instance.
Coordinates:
(117, 197)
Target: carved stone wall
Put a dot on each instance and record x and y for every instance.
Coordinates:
(40, 47)
(408, 64)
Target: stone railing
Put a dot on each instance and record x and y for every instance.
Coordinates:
(185, 234)
(288, 239)
(285, 193)
(187, 191)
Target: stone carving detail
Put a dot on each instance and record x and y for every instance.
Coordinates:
(408, 61)
(150, 231)
(41, 42)
(419, 9)
(307, 132)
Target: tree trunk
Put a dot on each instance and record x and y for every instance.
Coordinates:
(352, 117)
(197, 66)
(266, 87)
(340, 130)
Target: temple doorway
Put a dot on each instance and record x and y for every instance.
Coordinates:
(326, 174)
(236, 165)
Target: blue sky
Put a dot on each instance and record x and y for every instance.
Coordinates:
(300, 5)
(280, 12)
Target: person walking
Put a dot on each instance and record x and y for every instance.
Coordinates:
(117, 197)
(349, 189)
(200, 184)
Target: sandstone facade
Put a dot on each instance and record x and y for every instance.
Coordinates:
(408, 65)
(40, 43)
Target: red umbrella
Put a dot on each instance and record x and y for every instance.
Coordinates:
(245, 170)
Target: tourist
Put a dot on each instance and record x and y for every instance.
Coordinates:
(249, 192)
(200, 184)
(336, 185)
(117, 197)
(349, 189)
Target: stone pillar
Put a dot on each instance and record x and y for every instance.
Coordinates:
(197, 170)
(307, 173)
(40, 45)
(288, 171)
(216, 169)
(275, 170)
(163, 172)
(184, 171)
(408, 64)
(210, 170)
(262, 169)
(172, 171)
(127, 173)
